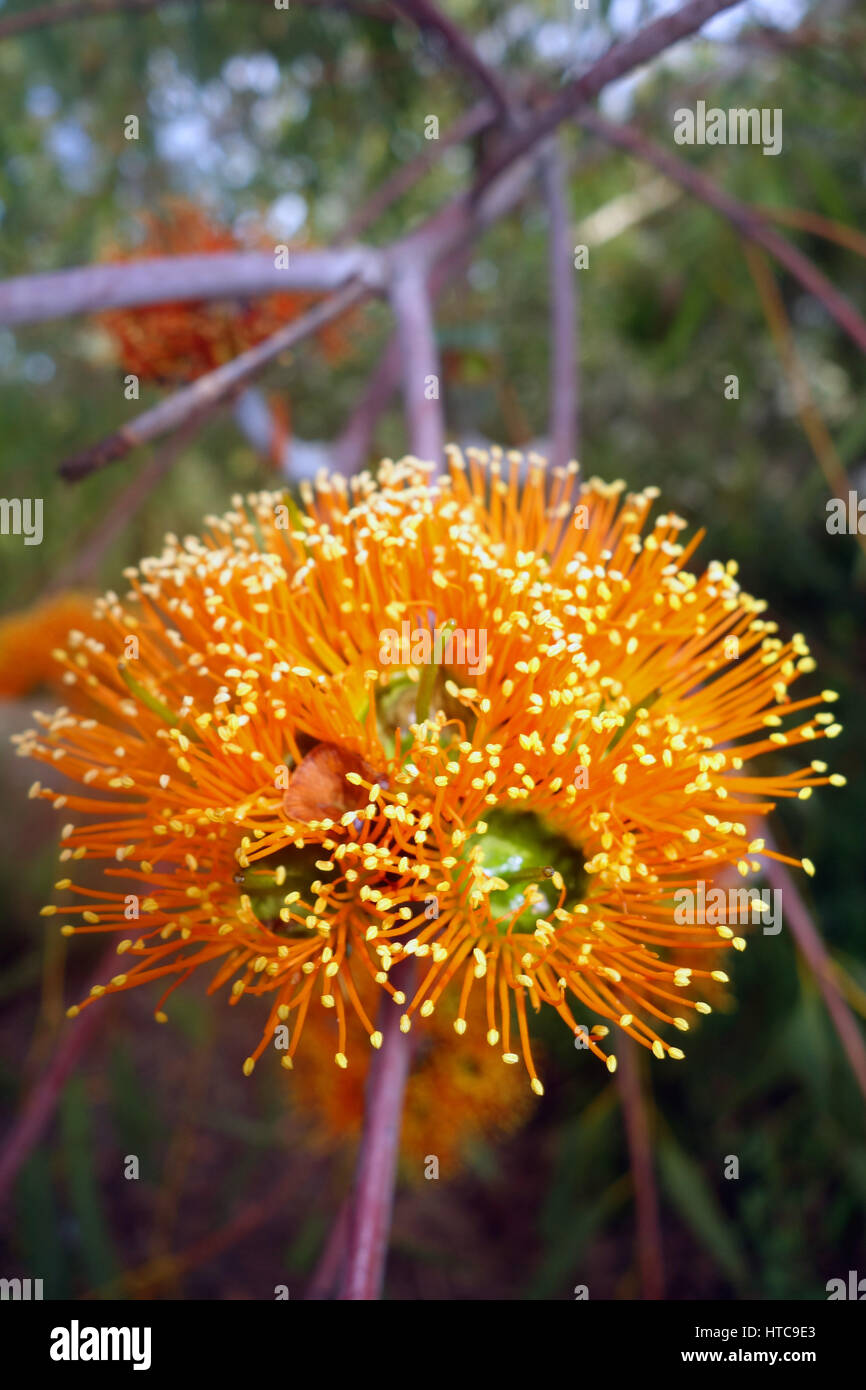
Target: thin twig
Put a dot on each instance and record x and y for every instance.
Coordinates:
(748, 222)
(210, 390)
(478, 118)
(564, 388)
(649, 1235)
(816, 225)
(373, 1196)
(44, 1096)
(811, 418)
(90, 552)
(40, 296)
(621, 59)
(352, 447)
(817, 957)
(47, 16)
(327, 1271)
(427, 16)
(162, 1269)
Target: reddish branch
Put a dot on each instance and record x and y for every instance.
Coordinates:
(372, 1201)
(476, 119)
(817, 957)
(620, 60)
(44, 1096)
(42, 16)
(649, 1235)
(46, 291)
(209, 391)
(46, 16)
(351, 449)
(747, 221)
(564, 390)
(427, 16)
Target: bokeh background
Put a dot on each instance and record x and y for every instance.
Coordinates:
(292, 125)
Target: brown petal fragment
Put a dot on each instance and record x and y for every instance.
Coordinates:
(318, 787)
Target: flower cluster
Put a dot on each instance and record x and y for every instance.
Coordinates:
(29, 637)
(178, 342)
(276, 805)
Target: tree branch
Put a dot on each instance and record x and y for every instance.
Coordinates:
(470, 124)
(816, 955)
(210, 390)
(564, 388)
(422, 373)
(45, 16)
(353, 445)
(177, 279)
(19, 298)
(620, 60)
(41, 1102)
(89, 554)
(438, 244)
(747, 221)
(427, 16)
(372, 1202)
(649, 1235)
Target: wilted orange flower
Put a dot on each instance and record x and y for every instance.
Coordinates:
(300, 814)
(455, 1096)
(181, 341)
(28, 639)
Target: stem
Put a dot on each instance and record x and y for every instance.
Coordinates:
(649, 1236)
(373, 1198)
(562, 294)
(209, 391)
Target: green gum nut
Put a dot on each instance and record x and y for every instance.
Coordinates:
(521, 848)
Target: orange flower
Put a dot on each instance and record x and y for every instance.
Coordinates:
(301, 813)
(28, 639)
(454, 1096)
(180, 341)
